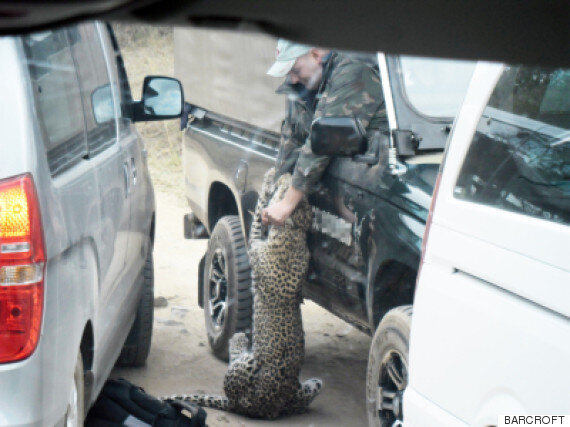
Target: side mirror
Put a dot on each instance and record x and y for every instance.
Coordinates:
(338, 136)
(102, 104)
(162, 99)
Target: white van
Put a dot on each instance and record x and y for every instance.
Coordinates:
(491, 332)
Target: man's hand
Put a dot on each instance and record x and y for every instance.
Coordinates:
(277, 213)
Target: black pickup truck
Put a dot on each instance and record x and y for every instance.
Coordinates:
(365, 241)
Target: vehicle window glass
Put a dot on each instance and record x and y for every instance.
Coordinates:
(118, 77)
(435, 87)
(57, 97)
(95, 87)
(121, 81)
(519, 158)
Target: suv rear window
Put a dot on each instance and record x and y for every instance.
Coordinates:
(519, 159)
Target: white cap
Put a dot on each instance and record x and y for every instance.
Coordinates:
(286, 54)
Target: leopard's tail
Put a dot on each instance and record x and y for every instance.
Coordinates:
(203, 400)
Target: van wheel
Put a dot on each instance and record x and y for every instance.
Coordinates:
(387, 373)
(137, 346)
(75, 412)
(227, 285)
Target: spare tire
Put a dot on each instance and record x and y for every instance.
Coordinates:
(226, 292)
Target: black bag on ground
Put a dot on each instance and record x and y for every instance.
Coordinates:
(122, 403)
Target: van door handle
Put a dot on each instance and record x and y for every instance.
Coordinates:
(126, 177)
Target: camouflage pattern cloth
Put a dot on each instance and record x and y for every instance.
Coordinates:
(349, 88)
(296, 126)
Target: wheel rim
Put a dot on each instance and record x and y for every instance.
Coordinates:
(218, 290)
(391, 385)
(71, 418)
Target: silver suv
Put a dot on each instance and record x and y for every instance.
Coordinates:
(77, 216)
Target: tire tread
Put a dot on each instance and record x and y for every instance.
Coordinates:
(240, 318)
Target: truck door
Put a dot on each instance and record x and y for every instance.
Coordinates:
(360, 207)
(345, 211)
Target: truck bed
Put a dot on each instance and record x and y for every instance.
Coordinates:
(221, 154)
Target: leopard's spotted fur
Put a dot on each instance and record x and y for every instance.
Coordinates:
(264, 381)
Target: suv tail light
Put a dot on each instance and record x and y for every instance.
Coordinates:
(22, 262)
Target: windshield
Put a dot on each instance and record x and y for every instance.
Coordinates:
(436, 87)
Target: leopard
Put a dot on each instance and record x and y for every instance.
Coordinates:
(262, 380)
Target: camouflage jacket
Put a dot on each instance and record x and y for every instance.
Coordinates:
(296, 126)
(349, 87)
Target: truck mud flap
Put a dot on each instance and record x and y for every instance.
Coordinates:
(193, 228)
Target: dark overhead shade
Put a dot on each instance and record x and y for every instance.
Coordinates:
(514, 31)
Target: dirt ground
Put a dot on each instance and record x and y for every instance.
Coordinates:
(180, 360)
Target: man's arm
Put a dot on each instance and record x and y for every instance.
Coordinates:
(291, 142)
(354, 90)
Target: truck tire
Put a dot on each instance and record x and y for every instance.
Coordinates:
(137, 346)
(387, 373)
(227, 285)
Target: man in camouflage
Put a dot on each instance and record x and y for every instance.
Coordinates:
(334, 85)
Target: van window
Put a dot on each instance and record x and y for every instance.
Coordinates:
(519, 159)
(57, 97)
(118, 78)
(98, 103)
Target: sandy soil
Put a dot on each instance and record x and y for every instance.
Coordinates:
(180, 360)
